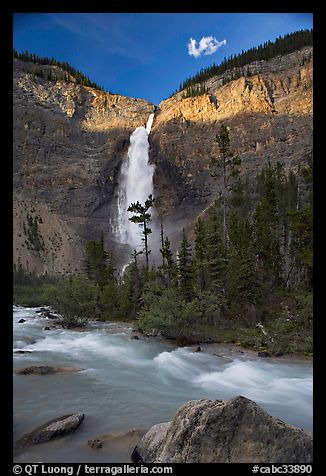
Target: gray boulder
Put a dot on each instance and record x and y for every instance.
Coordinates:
(150, 444)
(56, 428)
(231, 431)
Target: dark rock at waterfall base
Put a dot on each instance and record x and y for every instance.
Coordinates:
(264, 354)
(48, 315)
(278, 354)
(135, 337)
(47, 328)
(42, 309)
(198, 349)
(56, 428)
(231, 431)
(21, 321)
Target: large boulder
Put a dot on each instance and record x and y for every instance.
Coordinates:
(56, 428)
(232, 431)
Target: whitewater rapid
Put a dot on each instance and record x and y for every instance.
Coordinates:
(126, 383)
(135, 184)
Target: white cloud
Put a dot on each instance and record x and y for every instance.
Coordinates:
(206, 46)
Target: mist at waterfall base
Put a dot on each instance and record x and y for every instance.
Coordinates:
(127, 384)
(135, 185)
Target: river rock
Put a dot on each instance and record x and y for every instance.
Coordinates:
(56, 428)
(44, 370)
(231, 431)
(264, 354)
(117, 442)
(47, 328)
(48, 315)
(95, 444)
(21, 321)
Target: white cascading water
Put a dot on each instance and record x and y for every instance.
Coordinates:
(136, 184)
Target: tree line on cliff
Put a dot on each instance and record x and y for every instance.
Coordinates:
(73, 75)
(281, 46)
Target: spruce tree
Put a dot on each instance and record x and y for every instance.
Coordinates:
(185, 271)
(96, 262)
(142, 218)
(230, 164)
(200, 255)
(242, 282)
(266, 224)
(169, 267)
(215, 249)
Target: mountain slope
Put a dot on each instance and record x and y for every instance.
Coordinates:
(70, 140)
(269, 116)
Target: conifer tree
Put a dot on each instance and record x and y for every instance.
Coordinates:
(200, 254)
(169, 267)
(230, 165)
(215, 249)
(142, 218)
(96, 262)
(242, 283)
(266, 223)
(185, 271)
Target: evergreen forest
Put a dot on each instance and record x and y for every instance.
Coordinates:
(245, 266)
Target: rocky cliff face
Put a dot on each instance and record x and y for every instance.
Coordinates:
(269, 116)
(70, 140)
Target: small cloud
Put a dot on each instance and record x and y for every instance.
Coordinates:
(206, 46)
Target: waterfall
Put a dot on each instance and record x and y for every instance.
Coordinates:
(136, 183)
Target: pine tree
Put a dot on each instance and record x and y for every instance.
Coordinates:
(95, 262)
(200, 254)
(142, 218)
(185, 271)
(132, 288)
(230, 164)
(266, 223)
(168, 267)
(242, 283)
(215, 249)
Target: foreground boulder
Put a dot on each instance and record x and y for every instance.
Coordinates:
(231, 431)
(56, 428)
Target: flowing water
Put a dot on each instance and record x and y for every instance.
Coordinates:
(127, 384)
(135, 184)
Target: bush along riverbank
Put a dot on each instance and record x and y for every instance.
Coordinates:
(243, 275)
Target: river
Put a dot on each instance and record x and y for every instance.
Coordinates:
(129, 384)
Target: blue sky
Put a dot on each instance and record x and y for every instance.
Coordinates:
(146, 55)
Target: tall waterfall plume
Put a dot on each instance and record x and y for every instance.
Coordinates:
(136, 183)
